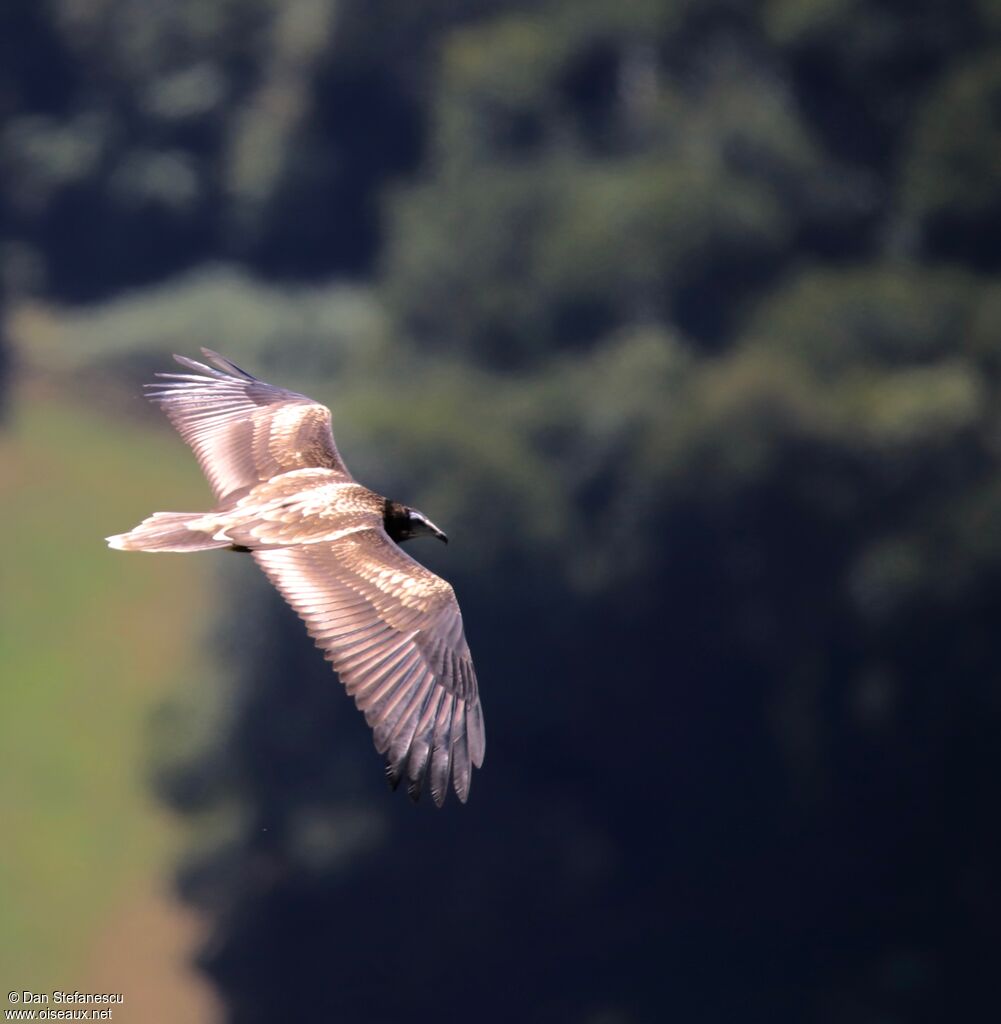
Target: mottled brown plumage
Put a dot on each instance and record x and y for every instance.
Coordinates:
(391, 628)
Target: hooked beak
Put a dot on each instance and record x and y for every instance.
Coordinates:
(424, 525)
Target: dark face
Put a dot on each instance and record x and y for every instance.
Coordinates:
(403, 523)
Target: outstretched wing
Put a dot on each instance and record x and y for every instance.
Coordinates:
(242, 430)
(393, 631)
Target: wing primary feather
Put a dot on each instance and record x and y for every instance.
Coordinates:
(396, 723)
(392, 690)
(476, 734)
(384, 724)
(403, 735)
(357, 642)
(461, 770)
(393, 775)
(370, 693)
(200, 368)
(417, 763)
(395, 710)
(368, 688)
(441, 750)
(366, 670)
(226, 364)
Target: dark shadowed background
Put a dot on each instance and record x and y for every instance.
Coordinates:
(682, 318)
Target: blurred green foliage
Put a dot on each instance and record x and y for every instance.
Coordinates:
(682, 317)
(80, 631)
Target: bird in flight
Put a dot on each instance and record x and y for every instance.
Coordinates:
(391, 628)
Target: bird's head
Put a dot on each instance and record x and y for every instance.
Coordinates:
(404, 523)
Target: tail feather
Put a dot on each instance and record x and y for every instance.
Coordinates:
(168, 531)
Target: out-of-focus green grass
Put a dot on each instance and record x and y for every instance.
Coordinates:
(91, 641)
